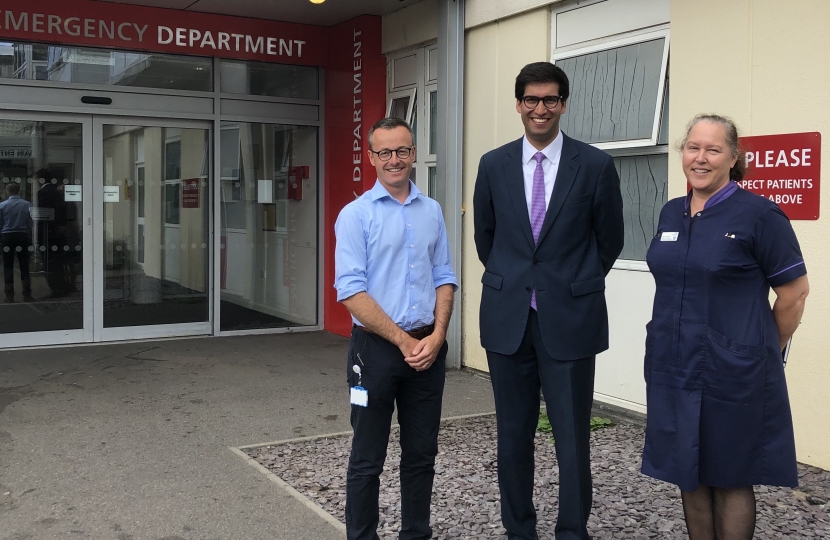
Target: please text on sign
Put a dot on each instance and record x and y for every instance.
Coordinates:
(786, 170)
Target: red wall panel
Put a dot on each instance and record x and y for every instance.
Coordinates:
(355, 99)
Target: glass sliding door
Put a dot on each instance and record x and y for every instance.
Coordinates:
(42, 215)
(155, 235)
(269, 221)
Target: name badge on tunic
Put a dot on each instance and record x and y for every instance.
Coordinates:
(668, 237)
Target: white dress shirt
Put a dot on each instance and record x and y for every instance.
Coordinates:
(550, 165)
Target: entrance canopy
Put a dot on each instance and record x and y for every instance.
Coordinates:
(329, 13)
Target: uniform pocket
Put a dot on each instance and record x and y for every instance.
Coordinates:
(736, 370)
(356, 355)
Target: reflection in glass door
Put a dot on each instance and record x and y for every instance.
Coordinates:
(155, 195)
(41, 230)
(268, 214)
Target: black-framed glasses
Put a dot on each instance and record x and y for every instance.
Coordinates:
(385, 155)
(550, 102)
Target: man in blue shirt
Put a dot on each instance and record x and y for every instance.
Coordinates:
(394, 275)
(15, 238)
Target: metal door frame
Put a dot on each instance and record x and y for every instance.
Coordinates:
(35, 100)
(145, 331)
(84, 334)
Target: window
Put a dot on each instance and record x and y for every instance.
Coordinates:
(433, 121)
(413, 96)
(401, 104)
(172, 177)
(263, 79)
(85, 65)
(141, 188)
(618, 70)
(615, 99)
(643, 180)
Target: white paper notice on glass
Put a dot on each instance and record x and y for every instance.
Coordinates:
(112, 193)
(72, 193)
(265, 192)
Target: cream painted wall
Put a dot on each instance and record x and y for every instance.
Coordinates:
(410, 26)
(766, 63)
(193, 271)
(495, 54)
(153, 207)
(478, 12)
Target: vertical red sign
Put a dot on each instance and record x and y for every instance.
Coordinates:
(355, 99)
(786, 170)
(190, 193)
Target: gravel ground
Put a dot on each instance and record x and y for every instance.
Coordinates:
(466, 498)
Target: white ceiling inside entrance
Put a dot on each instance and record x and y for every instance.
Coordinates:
(328, 13)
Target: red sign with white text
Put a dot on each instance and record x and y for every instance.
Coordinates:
(355, 100)
(786, 170)
(122, 26)
(190, 193)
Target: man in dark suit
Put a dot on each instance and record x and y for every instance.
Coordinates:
(548, 228)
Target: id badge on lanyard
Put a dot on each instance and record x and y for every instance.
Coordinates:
(358, 395)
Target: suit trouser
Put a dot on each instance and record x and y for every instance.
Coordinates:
(418, 394)
(568, 387)
(13, 241)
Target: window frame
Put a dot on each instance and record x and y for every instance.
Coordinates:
(420, 107)
(608, 44)
(169, 182)
(140, 171)
(631, 147)
(634, 264)
(398, 94)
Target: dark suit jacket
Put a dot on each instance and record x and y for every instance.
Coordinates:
(581, 237)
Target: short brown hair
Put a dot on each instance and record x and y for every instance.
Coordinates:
(390, 122)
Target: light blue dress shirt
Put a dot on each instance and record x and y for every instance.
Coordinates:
(396, 253)
(14, 215)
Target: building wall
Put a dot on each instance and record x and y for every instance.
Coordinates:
(495, 53)
(766, 64)
(410, 26)
(763, 63)
(478, 12)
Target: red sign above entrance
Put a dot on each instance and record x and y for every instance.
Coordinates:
(121, 26)
(785, 169)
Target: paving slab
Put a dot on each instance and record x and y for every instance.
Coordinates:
(131, 441)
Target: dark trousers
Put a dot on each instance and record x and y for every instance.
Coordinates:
(568, 387)
(13, 241)
(418, 395)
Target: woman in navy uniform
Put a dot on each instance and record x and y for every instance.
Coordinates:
(719, 417)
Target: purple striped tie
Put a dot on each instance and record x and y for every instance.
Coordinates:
(537, 207)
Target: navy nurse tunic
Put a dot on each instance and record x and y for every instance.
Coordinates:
(718, 410)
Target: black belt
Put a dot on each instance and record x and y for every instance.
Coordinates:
(418, 333)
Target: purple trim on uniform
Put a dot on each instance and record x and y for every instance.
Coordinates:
(720, 196)
(784, 270)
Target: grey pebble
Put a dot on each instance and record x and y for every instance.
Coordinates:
(465, 500)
